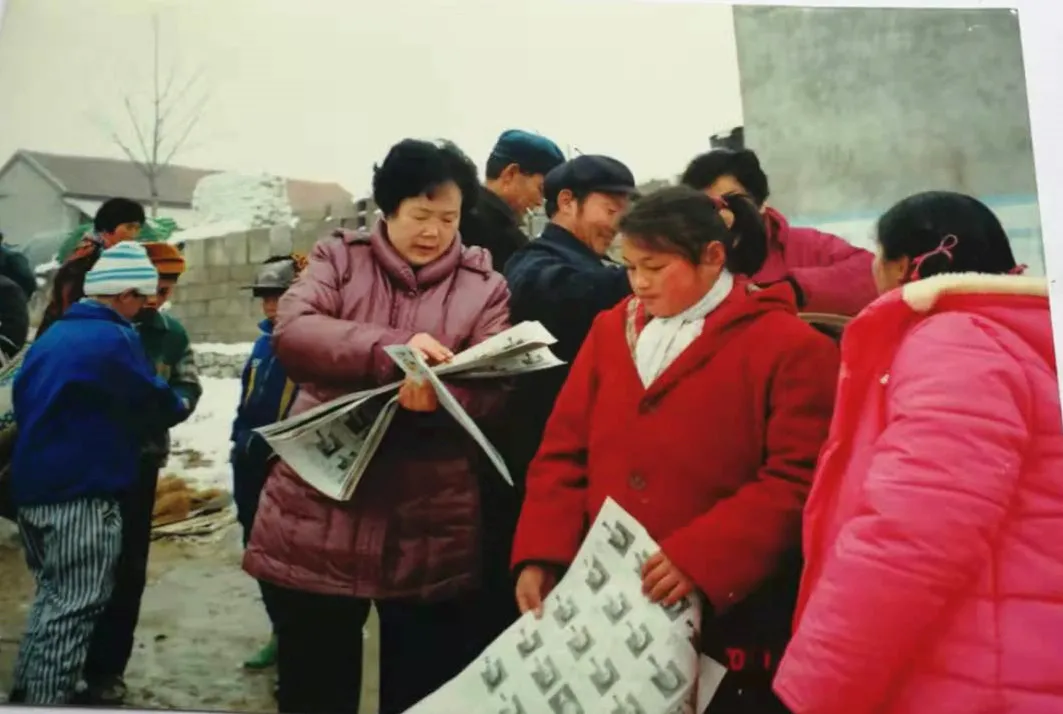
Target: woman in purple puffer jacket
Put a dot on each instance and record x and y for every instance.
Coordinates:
(410, 539)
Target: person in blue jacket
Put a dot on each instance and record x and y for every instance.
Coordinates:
(266, 395)
(84, 400)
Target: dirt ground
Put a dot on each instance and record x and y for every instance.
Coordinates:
(201, 617)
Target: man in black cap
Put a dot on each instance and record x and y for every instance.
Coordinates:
(514, 186)
(563, 279)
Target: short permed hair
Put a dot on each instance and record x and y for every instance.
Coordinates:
(414, 168)
(742, 165)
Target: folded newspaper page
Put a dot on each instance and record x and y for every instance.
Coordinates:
(415, 367)
(601, 647)
(331, 445)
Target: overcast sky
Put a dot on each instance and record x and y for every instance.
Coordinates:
(318, 89)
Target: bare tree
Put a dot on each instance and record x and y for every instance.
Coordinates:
(174, 113)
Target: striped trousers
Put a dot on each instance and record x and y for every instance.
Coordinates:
(71, 550)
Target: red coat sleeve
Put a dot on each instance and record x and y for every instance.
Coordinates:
(315, 345)
(551, 524)
(484, 398)
(941, 481)
(734, 547)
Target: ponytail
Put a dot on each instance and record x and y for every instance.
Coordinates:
(682, 220)
(748, 248)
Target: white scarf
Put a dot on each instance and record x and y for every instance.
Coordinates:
(665, 338)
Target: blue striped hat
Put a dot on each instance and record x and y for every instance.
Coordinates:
(124, 266)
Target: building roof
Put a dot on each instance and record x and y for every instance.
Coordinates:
(98, 178)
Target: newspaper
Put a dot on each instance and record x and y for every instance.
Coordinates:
(415, 367)
(601, 647)
(331, 445)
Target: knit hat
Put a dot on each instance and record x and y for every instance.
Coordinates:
(534, 154)
(124, 266)
(166, 258)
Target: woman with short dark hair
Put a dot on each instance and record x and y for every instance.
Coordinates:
(828, 273)
(409, 541)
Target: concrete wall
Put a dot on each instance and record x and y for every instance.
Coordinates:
(209, 300)
(852, 109)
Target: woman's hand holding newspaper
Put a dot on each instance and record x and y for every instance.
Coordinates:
(418, 396)
(430, 348)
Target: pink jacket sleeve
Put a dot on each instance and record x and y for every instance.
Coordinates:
(314, 345)
(834, 275)
(484, 398)
(937, 489)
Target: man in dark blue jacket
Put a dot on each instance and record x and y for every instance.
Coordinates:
(266, 395)
(563, 279)
(84, 400)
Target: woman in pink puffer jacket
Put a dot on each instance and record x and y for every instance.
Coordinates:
(933, 534)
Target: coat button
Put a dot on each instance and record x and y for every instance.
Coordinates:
(636, 480)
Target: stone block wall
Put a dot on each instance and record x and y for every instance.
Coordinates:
(211, 300)
(220, 365)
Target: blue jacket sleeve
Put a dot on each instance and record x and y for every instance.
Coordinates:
(594, 290)
(150, 398)
(240, 422)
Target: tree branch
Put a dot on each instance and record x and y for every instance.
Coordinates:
(155, 154)
(142, 166)
(179, 97)
(183, 138)
(156, 99)
(145, 156)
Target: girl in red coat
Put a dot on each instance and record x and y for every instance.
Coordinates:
(699, 405)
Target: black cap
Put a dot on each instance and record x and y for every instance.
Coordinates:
(589, 173)
(273, 277)
(533, 153)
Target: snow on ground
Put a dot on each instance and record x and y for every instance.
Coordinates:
(207, 434)
(45, 268)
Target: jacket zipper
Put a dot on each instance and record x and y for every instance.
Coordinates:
(258, 393)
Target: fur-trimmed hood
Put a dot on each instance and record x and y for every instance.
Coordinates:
(977, 291)
(922, 295)
(1018, 304)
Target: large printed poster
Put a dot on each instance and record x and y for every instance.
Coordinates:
(600, 647)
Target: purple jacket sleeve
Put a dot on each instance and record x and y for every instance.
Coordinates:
(484, 398)
(314, 344)
(834, 275)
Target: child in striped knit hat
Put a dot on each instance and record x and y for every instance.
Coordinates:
(169, 350)
(84, 399)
